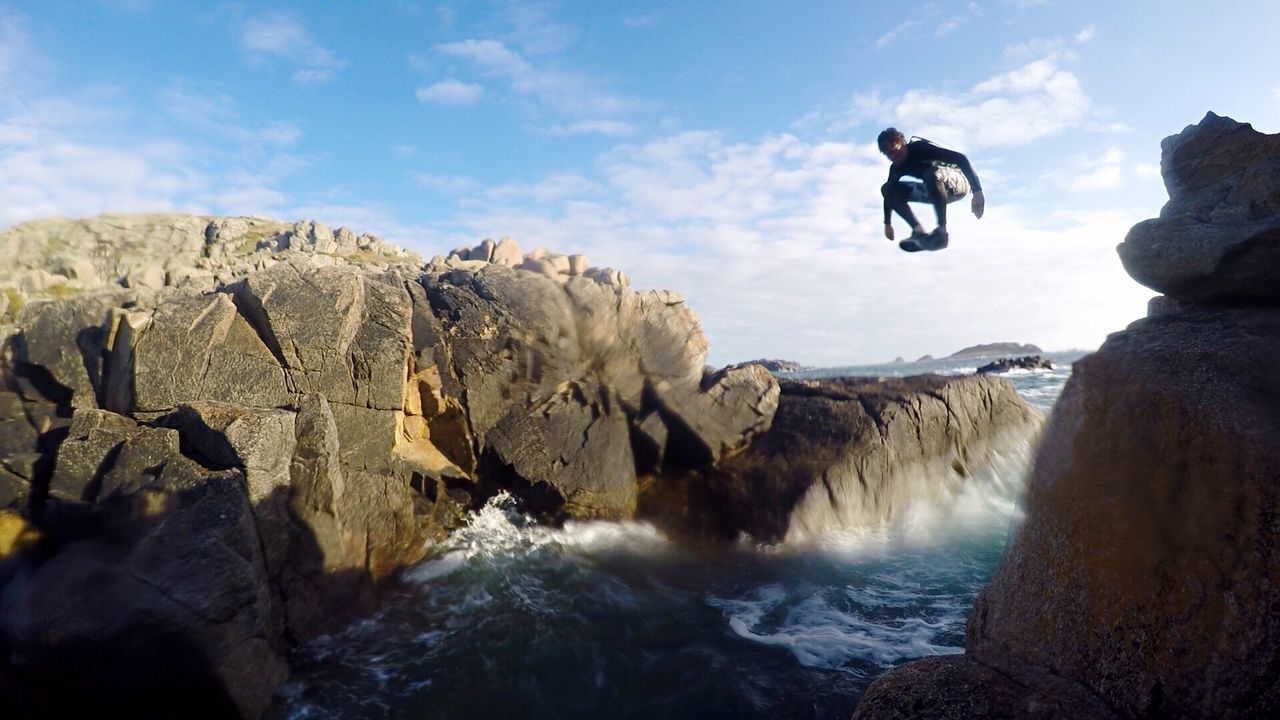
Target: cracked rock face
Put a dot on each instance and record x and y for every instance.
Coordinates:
(1218, 237)
(560, 377)
(848, 452)
(1146, 568)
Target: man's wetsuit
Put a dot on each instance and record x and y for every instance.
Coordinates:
(935, 166)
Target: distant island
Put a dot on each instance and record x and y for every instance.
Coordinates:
(990, 349)
(777, 365)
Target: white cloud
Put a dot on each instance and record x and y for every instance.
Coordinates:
(898, 31)
(1104, 172)
(451, 184)
(534, 32)
(1036, 100)
(1086, 34)
(553, 188)
(285, 37)
(450, 92)
(562, 91)
(313, 77)
(612, 128)
(215, 114)
(947, 26)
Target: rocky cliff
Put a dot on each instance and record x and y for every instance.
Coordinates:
(221, 436)
(1142, 582)
(854, 452)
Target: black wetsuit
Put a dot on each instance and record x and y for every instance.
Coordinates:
(922, 161)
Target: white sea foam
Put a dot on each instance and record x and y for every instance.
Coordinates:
(499, 534)
(921, 505)
(821, 635)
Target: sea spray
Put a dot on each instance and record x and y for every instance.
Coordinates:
(992, 473)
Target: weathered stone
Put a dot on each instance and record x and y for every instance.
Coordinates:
(559, 263)
(122, 329)
(334, 332)
(1218, 237)
(733, 405)
(955, 687)
(578, 264)
(17, 434)
(667, 337)
(201, 348)
(507, 252)
(179, 614)
(576, 445)
(851, 452)
(542, 267)
(93, 443)
(258, 441)
(65, 338)
(14, 490)
(1145, 566)
(150, 275)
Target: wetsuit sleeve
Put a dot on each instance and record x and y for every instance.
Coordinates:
(894, 176)
(951, 157)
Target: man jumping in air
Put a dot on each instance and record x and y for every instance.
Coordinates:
(944, 177)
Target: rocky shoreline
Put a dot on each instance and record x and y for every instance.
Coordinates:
(224, 436)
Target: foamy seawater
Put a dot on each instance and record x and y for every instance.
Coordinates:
(613, 620)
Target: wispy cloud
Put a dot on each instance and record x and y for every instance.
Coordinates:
(216, 115)
(972, 11)
(561, 91)
(611, 128)
(17, 55)
(1086, 34)
(1101, 172)
(450, 184)
(285, 37)
(898, 31)
(450, 92)
(533, 30)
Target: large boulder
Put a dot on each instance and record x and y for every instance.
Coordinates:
(849, 452)
(559, 377)
(1218, 237)
(157, 602)
(1146, 568)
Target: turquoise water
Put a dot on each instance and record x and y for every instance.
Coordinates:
(613, 620)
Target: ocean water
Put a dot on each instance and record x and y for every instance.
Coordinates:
(613, 620)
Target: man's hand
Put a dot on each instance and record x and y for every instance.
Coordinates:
(888, 231)
(978, 204)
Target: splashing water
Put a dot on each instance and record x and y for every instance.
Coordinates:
(595, 619)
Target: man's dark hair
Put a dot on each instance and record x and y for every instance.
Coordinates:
(890, 136)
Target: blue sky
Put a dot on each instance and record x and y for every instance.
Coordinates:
(725, 150)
